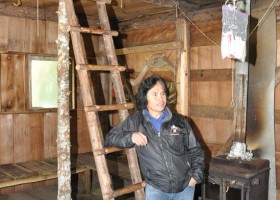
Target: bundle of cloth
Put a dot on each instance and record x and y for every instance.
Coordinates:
(234, 33)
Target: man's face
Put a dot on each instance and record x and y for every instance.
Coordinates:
(156, 99)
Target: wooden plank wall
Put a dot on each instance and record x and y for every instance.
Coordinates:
(211, 86)
(210, 80)
(147, 36)
(27, 134)
(210, 76)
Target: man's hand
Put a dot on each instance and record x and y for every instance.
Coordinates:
(139, 139)
(192, 182)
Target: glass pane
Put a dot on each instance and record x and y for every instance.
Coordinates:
(44, 83)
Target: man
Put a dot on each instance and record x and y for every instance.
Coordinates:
(170, 157)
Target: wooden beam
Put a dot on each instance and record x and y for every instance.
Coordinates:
(185, 6)
(211, 112)
(277, 116)
(183, 60)
(201, 75)
(277, 76)
(149, 48)
(23, 11)
(241, 91)
(63, 114)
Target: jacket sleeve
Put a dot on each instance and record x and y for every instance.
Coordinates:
(197, 156)
(120, 135)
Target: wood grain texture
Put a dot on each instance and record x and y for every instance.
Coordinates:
(50, 135)
(4, 32)
(13, 82)
(211, 75)
(6, 139)
(212, 130)
(208, 57)
(211, 93)
(33, 38)
(28, 137)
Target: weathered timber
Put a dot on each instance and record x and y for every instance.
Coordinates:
(63, 102)
(183, 66)
(211, 112)
(40, 170)
(93, 31)
(277, 77)
(241, 90)
(277, 116)
(149, 48)
(24, 11)
(13, 86)
(128, 189)
(211, 75)
(88, 97)
(163, 74)
(120, 98)
(100, 67)
(109, 107)
(277, 158)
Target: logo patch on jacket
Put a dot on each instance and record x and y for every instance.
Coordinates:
(174, 130)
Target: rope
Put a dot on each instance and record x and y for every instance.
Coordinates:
(262, 18)
(178, 7)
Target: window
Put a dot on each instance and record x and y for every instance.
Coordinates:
(43, 82)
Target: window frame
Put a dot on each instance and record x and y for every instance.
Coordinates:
(37, 57)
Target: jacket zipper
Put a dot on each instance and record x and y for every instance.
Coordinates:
(166, 163)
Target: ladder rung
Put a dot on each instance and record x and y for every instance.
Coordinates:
(105, 1)
(129, 189)
(109, 107)
(106, 150)
(100, 67)
(94, 31)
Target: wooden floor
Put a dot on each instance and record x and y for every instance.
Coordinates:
(44, 193)
(50, 192)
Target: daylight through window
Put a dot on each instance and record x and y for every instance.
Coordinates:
(43, 82)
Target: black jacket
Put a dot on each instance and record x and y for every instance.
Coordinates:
(171, 157)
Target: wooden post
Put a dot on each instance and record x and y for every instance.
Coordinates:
(182, 75)
(63, 125)
(241, 91)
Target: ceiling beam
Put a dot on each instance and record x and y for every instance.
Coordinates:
(184, 5)
(8, 9)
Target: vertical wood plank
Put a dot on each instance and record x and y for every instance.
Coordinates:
(182, 78)
(30, 38)
(13, 83)
(83, 138)
(16, 41)
(6, 139)
(50, 46)
(28, 137)
(201, 57)
(211, 93)
(206, 128)
(50, 134)
(27, 40)
(4, 24)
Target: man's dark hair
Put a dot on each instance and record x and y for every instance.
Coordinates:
(145, 86)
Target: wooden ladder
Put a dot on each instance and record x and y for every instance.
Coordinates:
(90, 107)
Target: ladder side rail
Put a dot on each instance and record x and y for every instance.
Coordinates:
(120, 97)
(89, 100)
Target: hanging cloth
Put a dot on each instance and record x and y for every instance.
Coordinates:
(234, 33)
